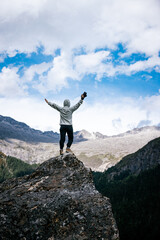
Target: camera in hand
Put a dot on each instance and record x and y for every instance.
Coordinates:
(84, 94)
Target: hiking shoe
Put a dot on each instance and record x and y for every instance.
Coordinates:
(61, 151)
(68, 150)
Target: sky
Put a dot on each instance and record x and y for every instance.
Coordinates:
(59, 49)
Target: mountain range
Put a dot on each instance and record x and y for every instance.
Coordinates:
(10, 128)
(132, 185)
(95, 150)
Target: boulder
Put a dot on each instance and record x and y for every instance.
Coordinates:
(58, 201)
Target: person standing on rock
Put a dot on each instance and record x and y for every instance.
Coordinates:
(66, 121)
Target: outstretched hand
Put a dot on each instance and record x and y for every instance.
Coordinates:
(46, 100)
(83, 95)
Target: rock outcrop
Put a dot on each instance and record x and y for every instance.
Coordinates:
(58, 201)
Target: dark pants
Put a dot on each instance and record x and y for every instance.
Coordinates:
(63, 130)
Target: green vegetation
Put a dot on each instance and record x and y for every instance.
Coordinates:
(13, 167)
(135, 202)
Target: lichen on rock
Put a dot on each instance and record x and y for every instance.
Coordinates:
(58, 201)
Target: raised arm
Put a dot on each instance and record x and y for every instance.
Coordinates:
(76, 106)
(55, 106)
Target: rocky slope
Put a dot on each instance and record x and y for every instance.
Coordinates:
(144, 159)
(58, 201)
(133, 187)
(10, 128)
(98, 154)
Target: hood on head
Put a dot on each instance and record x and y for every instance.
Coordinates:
(66, 103)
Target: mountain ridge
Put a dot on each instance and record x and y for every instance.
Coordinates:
(96, 150)
(10, 128)
(133, 187)
(144, 159)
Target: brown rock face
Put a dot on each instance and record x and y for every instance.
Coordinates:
(58, 201)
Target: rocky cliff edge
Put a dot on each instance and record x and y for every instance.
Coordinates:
(58, 201)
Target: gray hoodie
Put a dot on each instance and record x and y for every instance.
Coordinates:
(66, 111)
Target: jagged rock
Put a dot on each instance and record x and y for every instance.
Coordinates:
(58, 201)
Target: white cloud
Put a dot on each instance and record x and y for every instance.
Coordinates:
(36, 113)
(109, 69)
(112, 116)
(10, 83)
(117, 116)
(18, 7)
(69, 24)
(92, 63)
(117, 123)
(157, 69)
(68, 66)
(145, 65)
(35, 69)
(58, 74)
